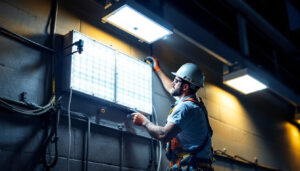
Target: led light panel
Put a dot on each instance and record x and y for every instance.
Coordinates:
(245, 84)
(134, 83)
(93, 71)
(137, 24)
(102, 72)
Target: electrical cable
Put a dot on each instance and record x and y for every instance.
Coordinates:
(156, 122)
(52, 71)
(69, 129)
(121, 150)
(88, 144)
(82, 116)
(159, 143)
(49, 139)
(22, 110)
(52, 37)
(239, 159)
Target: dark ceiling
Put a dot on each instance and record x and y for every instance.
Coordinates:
(219, 17)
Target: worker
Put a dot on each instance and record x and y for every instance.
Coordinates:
(187, 131)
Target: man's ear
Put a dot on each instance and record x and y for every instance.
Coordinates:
(186, 87)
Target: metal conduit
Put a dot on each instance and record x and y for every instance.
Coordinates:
(25, 41)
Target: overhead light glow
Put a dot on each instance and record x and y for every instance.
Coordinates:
(243, 82)
(137, 24)
(297, 118)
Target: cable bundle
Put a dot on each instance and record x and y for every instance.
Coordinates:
(26, 109)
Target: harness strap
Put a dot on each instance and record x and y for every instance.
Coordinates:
(174, 144)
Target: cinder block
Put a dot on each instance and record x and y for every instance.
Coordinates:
(104, 142)
(213, 109)
(136, 152)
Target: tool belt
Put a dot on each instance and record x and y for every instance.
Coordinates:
(192, 163)
(189, 162)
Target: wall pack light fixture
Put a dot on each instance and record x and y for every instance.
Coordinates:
(137, 21)
(244, 82)
(101, 72)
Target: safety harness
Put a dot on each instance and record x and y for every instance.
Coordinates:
(174, 152)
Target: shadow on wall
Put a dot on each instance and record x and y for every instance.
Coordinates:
(22, 141)
(25, 69)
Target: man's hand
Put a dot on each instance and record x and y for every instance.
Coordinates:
(154, 63)
(139, 119)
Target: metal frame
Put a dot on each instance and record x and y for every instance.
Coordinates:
(65, 84)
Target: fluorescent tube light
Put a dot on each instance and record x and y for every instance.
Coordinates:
(135, 23)
(243, 82)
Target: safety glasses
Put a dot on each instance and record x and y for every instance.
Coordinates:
(176, 81)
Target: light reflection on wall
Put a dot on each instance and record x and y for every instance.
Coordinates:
(292, 135)
(238, 126)
(229, 104)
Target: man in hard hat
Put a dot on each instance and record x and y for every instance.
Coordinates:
(187, 131)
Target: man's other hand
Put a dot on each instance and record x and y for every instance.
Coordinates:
(139, 119)
(154, 63)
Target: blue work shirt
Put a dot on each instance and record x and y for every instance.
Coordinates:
(194, 128)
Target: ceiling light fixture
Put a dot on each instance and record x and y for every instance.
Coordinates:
(242, 81)
(138, 21)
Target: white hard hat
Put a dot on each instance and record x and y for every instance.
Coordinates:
(191, 73)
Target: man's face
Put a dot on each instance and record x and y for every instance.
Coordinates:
(176, 87)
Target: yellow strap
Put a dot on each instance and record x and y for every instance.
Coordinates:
(53, 91)
(171, 111)
(188, 99)
(183, 155)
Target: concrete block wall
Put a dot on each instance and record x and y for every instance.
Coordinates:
(252, 126)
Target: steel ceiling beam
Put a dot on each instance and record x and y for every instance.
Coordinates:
(192, 32)
(263, 25)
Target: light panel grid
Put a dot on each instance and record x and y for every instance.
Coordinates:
(93, 71)
(105, 73)
(134, 83)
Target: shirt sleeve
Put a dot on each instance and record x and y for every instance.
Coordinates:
(178, 117)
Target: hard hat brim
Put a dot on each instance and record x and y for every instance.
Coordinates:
(174, 73)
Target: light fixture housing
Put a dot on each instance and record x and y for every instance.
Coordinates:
(244, 82)
(101, 72)
(137, 21)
